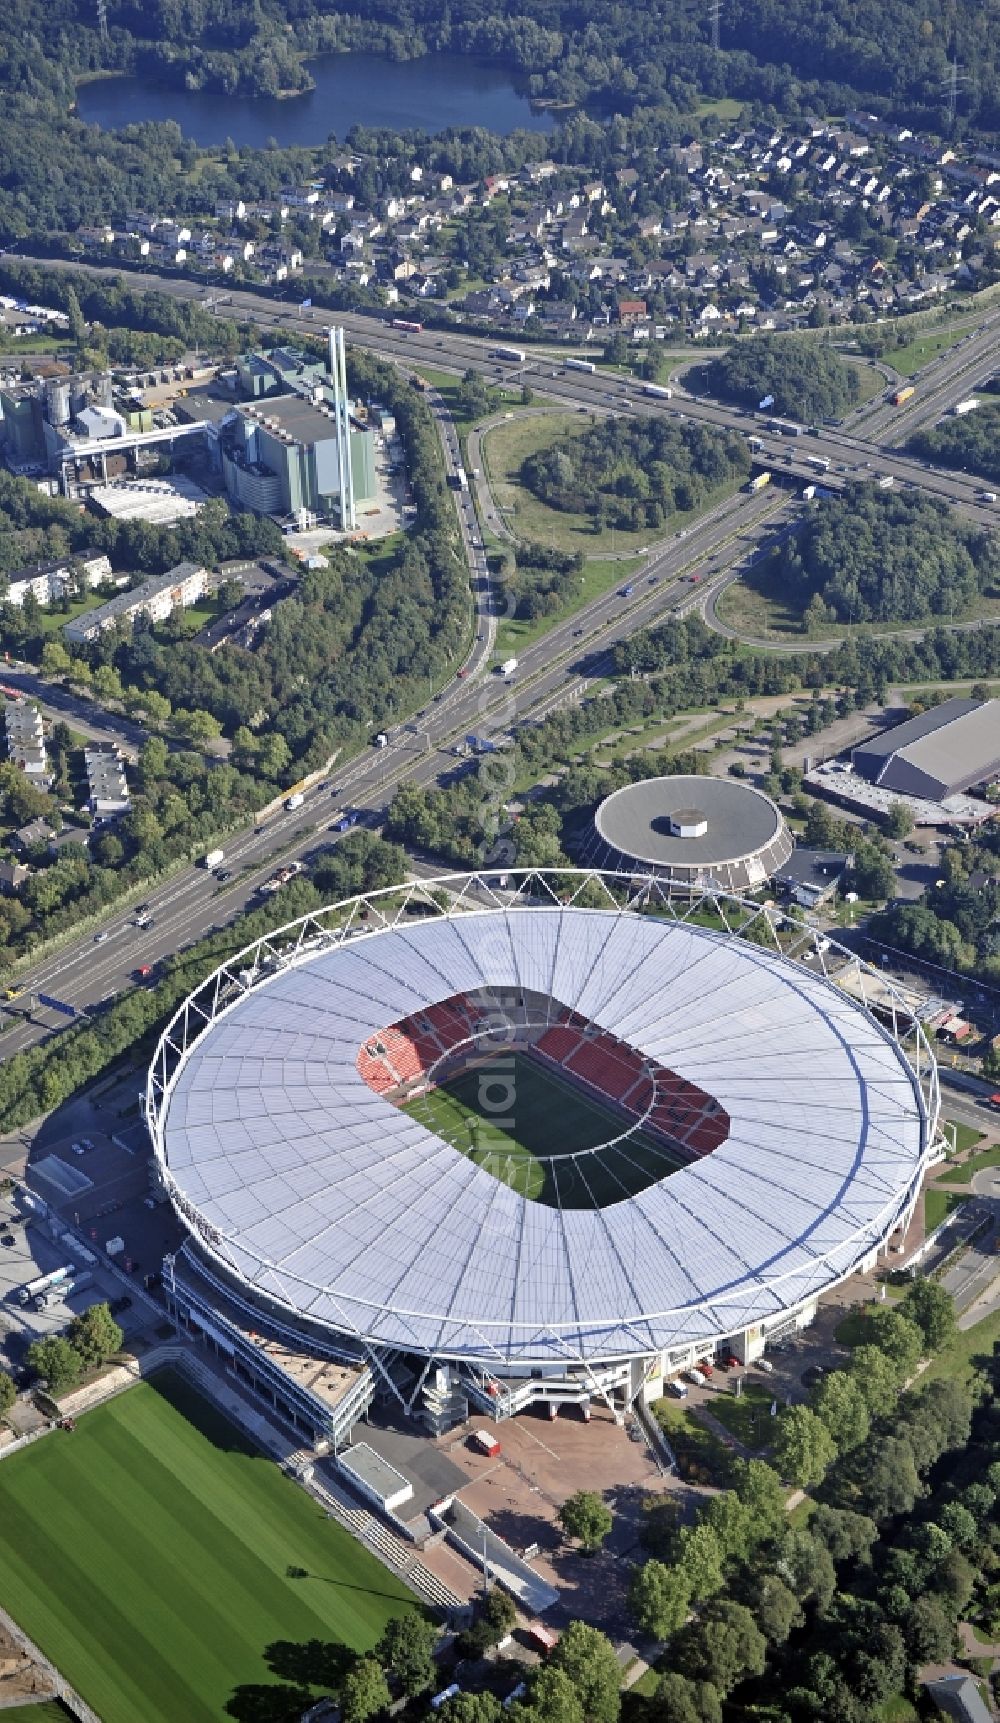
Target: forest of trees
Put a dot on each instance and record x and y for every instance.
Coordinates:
(636, 473)
(970, 443)
(830, 1619)
(540, 581)
(807, 379)
(886, 556)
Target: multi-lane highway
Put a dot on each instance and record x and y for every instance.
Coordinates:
(856, 446)
(557, 669)
(682, 574)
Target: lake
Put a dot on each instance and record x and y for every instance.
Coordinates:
(431, 94)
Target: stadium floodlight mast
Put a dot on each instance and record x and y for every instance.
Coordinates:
(748, 937)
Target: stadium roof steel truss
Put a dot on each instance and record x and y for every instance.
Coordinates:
(318, 1194)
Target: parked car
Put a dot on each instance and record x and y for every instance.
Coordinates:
(695, 1377)
(730, 1360)
(78, 1148)
(705, 1368)
(765, 1365)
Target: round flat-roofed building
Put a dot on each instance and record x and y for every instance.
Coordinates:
(697, 833)
(511, 1148)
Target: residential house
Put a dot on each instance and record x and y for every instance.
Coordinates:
(106, 781)
(26, 740)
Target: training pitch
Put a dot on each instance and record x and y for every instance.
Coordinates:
(149, 1554)
(542, 1135)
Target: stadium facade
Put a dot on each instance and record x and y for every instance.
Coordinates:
(766, 1137)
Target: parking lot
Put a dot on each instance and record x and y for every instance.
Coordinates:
(31, 1248)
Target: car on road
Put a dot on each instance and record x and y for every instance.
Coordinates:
(78, 1148)
(117, 1305)
(99, 938)
(222, 874)
(462, 674)
(144, 971)
(8, 1240)
(625, 591)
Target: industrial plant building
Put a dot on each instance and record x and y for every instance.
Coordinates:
(280, 432)
(297, 452)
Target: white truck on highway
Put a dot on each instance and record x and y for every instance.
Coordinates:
(214, 858)
(969, 405)
(294, 802)
(507, 668)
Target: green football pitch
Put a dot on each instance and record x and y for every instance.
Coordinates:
(150, 1553)
(541, 1135)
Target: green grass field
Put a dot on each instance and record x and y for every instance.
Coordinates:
(523, 1124)
(149, 1555)
(938, 1205)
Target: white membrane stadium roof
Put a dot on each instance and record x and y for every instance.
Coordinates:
(327, 1198)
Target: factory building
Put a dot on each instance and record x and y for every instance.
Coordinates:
(297, 454)
(936, 755)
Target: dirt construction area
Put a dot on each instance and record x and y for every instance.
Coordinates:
(519, 1494)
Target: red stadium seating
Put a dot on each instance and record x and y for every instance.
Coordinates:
(690, 1120)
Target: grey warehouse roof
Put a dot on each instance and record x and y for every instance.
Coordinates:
(322, 1195)
(938, 753)
(746, 840)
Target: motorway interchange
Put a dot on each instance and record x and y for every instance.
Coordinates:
(554, 670)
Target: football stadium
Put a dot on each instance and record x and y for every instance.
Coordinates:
(490, 1142)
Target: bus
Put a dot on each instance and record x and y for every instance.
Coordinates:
(581, 365)
(407, 327)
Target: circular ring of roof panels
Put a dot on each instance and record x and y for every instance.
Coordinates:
(694, 831)
(316, 1192)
